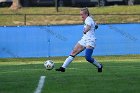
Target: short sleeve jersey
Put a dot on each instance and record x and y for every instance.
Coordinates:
(91, 33)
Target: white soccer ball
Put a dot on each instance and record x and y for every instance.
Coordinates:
(49, 64)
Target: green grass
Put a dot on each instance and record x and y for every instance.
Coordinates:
(59, 18)
(74, 10)
(120, 74)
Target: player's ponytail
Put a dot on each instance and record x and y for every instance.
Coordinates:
(86, 11)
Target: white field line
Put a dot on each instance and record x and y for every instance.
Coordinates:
(40, 84)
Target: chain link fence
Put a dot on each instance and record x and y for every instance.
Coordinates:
(60, 19)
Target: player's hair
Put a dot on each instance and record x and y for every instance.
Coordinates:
(86, 11)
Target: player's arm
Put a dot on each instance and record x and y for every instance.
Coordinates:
(88, 27)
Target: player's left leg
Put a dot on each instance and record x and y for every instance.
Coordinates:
(77, 49)
(88, 56)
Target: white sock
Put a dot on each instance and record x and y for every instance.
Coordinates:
(97, 64)
(67, 61)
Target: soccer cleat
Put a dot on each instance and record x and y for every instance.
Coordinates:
(100, 69)
(60, 69)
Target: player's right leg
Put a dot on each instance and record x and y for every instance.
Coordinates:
(77, 49)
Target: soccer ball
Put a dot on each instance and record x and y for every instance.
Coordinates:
(49, 64)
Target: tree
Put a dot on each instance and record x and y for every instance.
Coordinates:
(15, 5)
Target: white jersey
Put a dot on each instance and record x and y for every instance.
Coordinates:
(91, 33)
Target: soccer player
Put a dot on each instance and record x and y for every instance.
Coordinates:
(86, 43)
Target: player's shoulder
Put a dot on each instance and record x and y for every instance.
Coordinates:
(89, 18)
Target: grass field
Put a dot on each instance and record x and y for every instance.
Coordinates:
(60, 18)
(121, 74)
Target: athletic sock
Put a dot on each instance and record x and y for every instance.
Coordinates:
(97, 64)
(67, 61)
(90, 59)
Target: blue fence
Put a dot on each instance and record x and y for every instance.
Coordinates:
(44, 41)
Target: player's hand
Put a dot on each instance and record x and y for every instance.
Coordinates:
(84, 32)
(96, 26)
